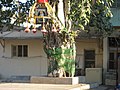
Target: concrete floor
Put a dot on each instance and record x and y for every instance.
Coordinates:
(30, 86)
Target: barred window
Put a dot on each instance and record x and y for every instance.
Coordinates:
(113, 55)
(89, 56)
(19, 50)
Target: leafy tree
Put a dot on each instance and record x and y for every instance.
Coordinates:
(13, 12)
(92, 13)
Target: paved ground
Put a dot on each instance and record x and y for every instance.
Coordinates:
(25, 86)
(29, 86)
(103, 87)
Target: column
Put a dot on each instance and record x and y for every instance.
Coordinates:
(105, 57)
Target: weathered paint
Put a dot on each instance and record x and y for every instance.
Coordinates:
(36, 62)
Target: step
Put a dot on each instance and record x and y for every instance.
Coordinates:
(85, 86)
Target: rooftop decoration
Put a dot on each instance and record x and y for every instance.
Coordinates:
(37, 15)
(42, 1)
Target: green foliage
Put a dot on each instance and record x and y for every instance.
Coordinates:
(6, 1)
(92, 13)
(80, 13)
(100, 18)
(5, 15)
(13, 12)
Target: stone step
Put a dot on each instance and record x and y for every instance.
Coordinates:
(90, 85)
(86, 86)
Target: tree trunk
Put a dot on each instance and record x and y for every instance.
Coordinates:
(60, 46)
(61, 13)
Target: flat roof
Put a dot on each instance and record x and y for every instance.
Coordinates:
(20, 35)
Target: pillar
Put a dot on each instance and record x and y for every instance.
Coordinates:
(105, 57)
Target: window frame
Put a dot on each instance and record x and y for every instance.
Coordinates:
(113, 42)
(90, 60)
(114, 47)
(116, 55)
(14, 53)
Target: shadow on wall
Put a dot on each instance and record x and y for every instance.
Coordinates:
(79, 72)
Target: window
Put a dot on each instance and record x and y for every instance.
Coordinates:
(114, 42)
(116, 3)
(114, 45)
(112, 59)
(112, 56)
(89, 56)
(19, 50)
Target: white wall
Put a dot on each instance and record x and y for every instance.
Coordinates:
(34, 65)
(89, 44)
(23, 66)
(35, 47)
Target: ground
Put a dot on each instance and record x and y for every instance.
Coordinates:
(30, 86)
